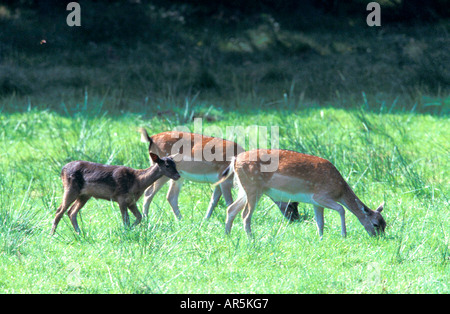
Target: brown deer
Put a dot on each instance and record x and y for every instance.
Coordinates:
(298, 178)
(201, 169)
(83, 180)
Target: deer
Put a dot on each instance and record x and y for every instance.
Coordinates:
(123, 185)
(300, 178)
(202, 170)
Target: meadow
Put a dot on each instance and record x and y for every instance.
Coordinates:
(373, 101)
(399, 157)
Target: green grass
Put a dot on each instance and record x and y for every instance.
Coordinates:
(397, 156)
(374, 101)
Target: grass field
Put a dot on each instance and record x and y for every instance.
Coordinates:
(399, 156)
(372, 100)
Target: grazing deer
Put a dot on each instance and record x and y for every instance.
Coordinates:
(300, 178)
(83, 180)
(201, 169)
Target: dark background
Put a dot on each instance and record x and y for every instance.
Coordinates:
(136, 55)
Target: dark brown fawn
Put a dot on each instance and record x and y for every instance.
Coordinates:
(83, 180)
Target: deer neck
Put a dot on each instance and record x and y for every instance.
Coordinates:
(147, 177)
(349, 200)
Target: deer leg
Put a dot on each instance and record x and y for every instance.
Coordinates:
(288, 209)
(151, 192)
(226, 187)
(70, 195)
(172, 196)
(330, 203)
(252, 201)
(133, 208)
(69, 212)
(232, 211)
(318, 215)
(213, 202)
(73, 212)
(124, 211)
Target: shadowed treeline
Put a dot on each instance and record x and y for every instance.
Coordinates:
(132, 54)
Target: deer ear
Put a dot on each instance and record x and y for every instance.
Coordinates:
(145, 138)
(154, 157)
(380, 208)
(176, 157)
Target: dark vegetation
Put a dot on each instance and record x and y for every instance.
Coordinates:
(147, 56)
